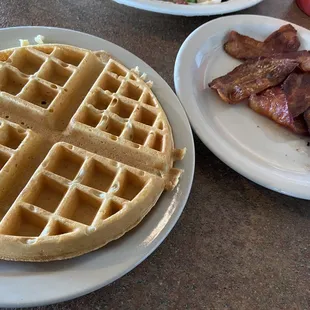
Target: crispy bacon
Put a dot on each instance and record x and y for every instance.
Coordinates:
(300, 126)
(252, 77)
(297, 90)
(283, 40)
(273, 104)
(267, 64)
(303, 58)
(306, 116)
(244, 47)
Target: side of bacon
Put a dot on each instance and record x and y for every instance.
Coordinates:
(300, 126)
(306, 116)
(273, 104)
(252, 77)
(267, 65)
(303, 58)
(297, 90)
(244, 47)
(283, 40)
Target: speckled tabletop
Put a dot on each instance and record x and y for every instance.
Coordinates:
(237, 245)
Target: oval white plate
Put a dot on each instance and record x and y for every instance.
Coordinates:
(249, 143)
(30, 284)
(199, 9)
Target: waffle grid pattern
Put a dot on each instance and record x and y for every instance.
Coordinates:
(11, 138)
(38, 80)
(96, 186)
(119, 108)
(56, 186)
(13, 144)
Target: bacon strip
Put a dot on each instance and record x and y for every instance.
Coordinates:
(244, 47)
(283, 40)
(252, 77)
(307, 117)
(303, 58)
(297, 90)
(273, 104)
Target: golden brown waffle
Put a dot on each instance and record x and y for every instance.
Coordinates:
(85, 151)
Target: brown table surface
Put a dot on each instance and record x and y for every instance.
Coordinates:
(237, 245)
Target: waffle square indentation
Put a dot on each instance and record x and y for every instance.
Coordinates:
(26, 224)
(26, 61)
(138, 135)
(69, 57)
(113, 127)
(110, 209)
(121, 108)
(11, 137)
(131, 186)
(145, 116)
(82, 207)
(11, 82)
(89, 117)
(109, 83)
(46, 194)
(131, 91)
(148, 99)
(59, 228)
(114, 68)
(99, 176)
(158, 143)
(39, 94)
(3, 159)
(55, 73)
(100, 100)
(65, 163)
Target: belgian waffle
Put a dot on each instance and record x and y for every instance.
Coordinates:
(85, 151)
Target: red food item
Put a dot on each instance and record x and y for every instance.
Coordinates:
(303, 57)
(273, 104)
(307, 117)
(300, 126)
(252, 77)
(244, 47)
(283, 40)
(297, 90)
(304, 5)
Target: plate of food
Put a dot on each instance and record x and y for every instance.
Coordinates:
(90, 152)
(190, 7)
(245, 87)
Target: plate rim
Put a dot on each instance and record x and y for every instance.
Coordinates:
(197, 128)
(198, 9)
(172, 221)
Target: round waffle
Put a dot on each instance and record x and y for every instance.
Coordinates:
(85, 151)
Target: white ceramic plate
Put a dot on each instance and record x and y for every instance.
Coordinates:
(249, 143)
(29, 284)
(195, 9)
